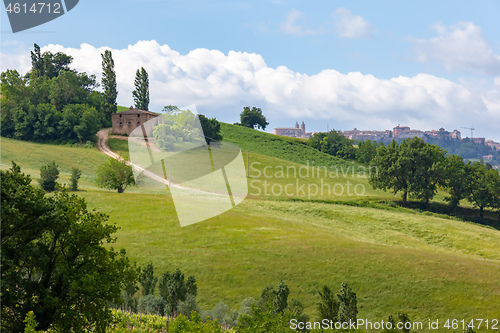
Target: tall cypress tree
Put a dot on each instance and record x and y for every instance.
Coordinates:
(37, 61)
(109, 83)
(141, 92)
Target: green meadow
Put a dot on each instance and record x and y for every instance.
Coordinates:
(427, 265)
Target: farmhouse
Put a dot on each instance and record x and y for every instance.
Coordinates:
(125, 122)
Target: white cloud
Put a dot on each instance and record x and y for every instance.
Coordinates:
(295, 24)
(459, 47)
(348, 25)
(221, 84)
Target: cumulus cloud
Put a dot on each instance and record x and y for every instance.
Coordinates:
(295, 24)
(221, 84)
(348, 25)
(459, 47)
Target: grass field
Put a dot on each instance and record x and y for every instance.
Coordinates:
(396, 259)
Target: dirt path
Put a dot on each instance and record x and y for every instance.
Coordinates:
(102, 146)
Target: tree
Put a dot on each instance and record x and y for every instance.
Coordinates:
(253, 117)
(141, 92)
(56, 259)
(328, 305)
(412, 167)
(48, 176)
(348, 309)
(174, 289)
(148, 280)
(109, 84)
(485, 189)
(211, 129)
(115, 175)
(366, 151)
(75, 176)
(457, 179)
(333, 143)
(280, 301)
(37, 61)
(88, 125)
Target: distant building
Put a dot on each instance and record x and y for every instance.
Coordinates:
(358, 135)
(492, 144)
(398, 130)
(408, 134)
(478, 141)
(294, 132)
(125, 122)
(488, 157)
(456, 135)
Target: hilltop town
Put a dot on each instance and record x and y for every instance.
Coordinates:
(398, 132)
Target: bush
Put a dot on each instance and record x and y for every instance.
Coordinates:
(75, 176)
(48, 176)
(152, 305)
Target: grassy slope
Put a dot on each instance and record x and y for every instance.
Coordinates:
(31, 156)
(396, 260)
(288, 149)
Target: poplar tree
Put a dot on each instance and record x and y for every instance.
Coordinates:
(109, 84)
(141, 92)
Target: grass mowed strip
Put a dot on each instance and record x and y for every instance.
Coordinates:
(426, 266)
(32, 156)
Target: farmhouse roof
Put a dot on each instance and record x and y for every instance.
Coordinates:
(136, 111)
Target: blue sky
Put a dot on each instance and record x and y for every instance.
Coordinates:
(364, 64)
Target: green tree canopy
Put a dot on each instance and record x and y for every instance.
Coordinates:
(141, 92)
(251, 117)
(412, 167)
(110, 92)
(333, 143)
(115, 175)
(56, 260)
(211, 129)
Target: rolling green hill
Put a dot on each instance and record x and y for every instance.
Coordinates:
(395, 259)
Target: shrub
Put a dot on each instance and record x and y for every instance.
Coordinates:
(48, 176)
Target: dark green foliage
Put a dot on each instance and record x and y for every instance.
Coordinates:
(485, 189)
(457, 179)
(148, 280)
(253, 117)
(174, 289)
(211, 129)
(141, 92)
(75, 176)
(52, 103)
(48, 176)
(328, 305)
(348, 309)
(333, 143)
(280, 299)
(402, 318)
(266, 298)
(115, 175)
(412, 167)
(110, 92)
(56, 259)
(366, 151)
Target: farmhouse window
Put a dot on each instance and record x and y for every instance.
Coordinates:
(138, 123)
(130, 123)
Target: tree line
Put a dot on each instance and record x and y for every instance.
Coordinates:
(55, 103)
(418, 170)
